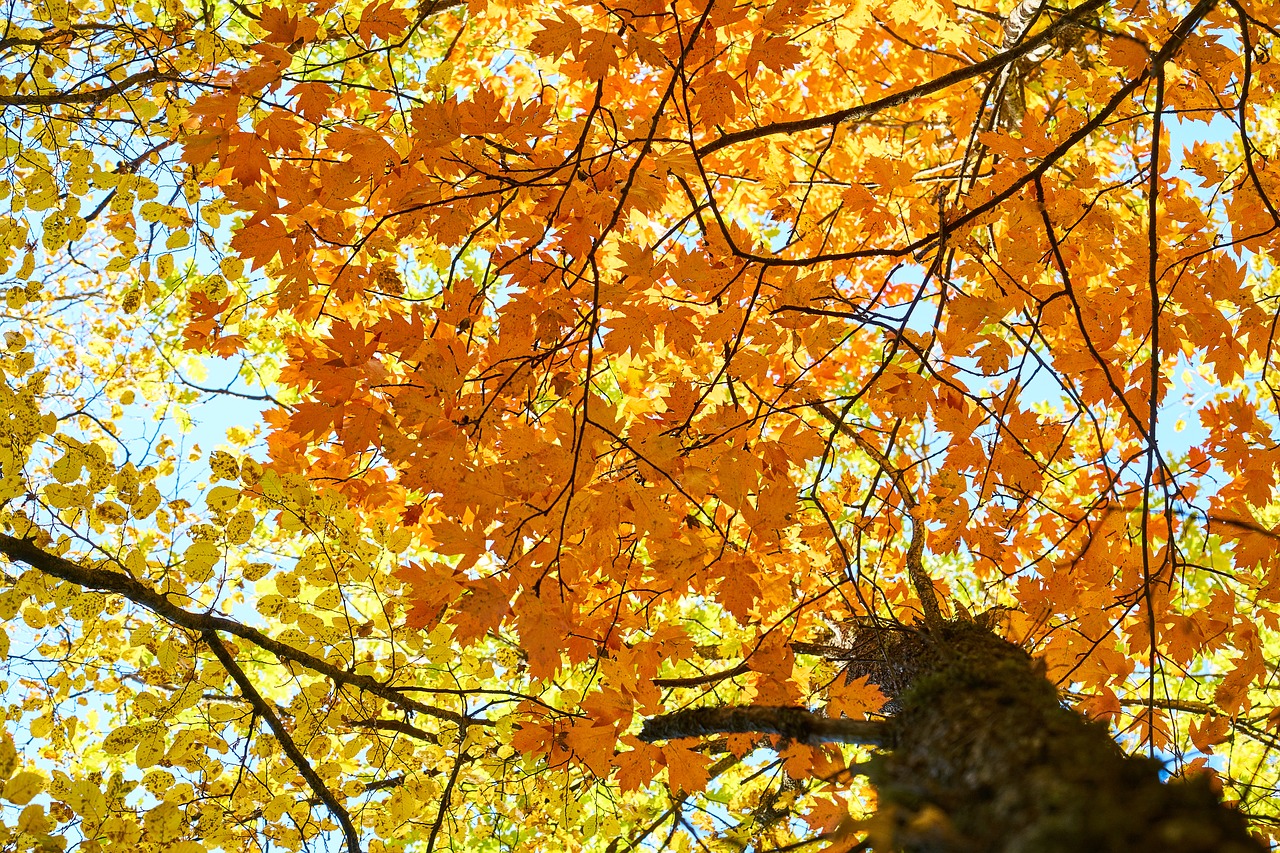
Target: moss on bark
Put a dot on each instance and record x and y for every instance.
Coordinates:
(984, 757)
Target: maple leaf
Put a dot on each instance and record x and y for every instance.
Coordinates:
(716, 98)
(432, 586)
(280, 130)
(381, 21)
(687, 771)
(774, 52)
(639, 765)
(774, 660)
(797, 761)
(369, 151)
(543, 627)
(593, 745)
(312, 420)
(412, 515)
(738, 593)
(225, 346)
(481, 610)
(630, 331)
(599, 53)
(314, 99)
(557, 37)
(265, 74)
(1209, 732)
(262, 240)
(532, 739)
(215, 111)
(1231, 694)
(826, 813)
(854, 698)
(287, 29)
(360, 428)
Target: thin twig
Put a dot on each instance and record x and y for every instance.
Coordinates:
(446, 796)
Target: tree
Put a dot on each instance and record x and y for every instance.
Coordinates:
(594, 362)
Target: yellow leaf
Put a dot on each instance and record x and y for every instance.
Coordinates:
(34, 617)
(277, 807)
(223, 465)
(164, 822)
(255, 571)
(121, 740)
(151, 748)
(8, 757)
(399, 540)
(232, 268)
(240, 527)
(21, 788)
(200, 559)
(686, 769)
(222, 498)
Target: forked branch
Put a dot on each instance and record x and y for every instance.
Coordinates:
(921, 583)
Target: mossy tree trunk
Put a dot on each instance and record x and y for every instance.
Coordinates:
(980, 755)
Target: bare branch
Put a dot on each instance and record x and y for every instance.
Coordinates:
(706, 678)
(103, 580)
(93, 96)
(796, 724)
(264, 710)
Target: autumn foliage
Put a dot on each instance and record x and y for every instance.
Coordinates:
(588, 361)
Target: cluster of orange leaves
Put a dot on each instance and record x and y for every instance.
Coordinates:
(567, 316)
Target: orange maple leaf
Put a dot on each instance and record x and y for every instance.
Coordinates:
(381, 21)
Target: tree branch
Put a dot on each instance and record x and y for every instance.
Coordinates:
(264, 710)
(399, 726)
(920, 580)
(447, 795)
(796, 724)
(865, 111)
(93, 96)
(706, 678)
(103, 580)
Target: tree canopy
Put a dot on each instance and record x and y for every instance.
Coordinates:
(402, 403)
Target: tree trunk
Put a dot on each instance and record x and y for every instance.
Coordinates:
(981, 755)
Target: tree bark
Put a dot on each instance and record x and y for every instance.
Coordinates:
(982, 756)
